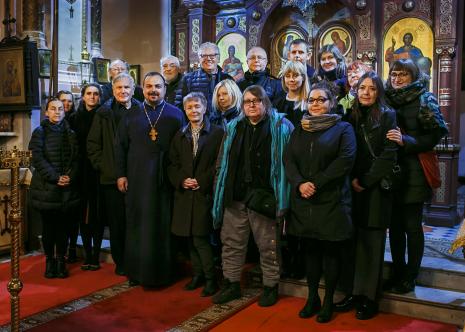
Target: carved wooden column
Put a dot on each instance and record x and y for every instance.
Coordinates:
(442, 210)
(366, 37)
(201, 20)
(181, 42)
(33, 21)
(96, 28)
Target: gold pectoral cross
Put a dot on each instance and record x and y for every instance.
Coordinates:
(153, 134)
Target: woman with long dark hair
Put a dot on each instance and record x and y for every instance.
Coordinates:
(376, 157)
(421, 127)
(332, 68)
(318, 161)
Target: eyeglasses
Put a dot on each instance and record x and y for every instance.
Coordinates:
(252, 102)
(400, 74)
(256, 57)
(209, 56)
(319, 101)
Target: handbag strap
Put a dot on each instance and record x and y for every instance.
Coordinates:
(365, 136)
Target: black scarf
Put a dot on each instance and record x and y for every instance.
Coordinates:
(405, 95)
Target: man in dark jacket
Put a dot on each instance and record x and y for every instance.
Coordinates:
(299, 50)
(204, 79)
(100, 150)
(116, 67)
(170, 68)
(258, 74)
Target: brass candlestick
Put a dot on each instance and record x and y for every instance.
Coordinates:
(13, 160)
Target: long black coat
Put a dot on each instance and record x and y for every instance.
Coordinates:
(192, 208)
(54, 153)
(372, 206)
(101, 138)
(324, 158)
(149, 197)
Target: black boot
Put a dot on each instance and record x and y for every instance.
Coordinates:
(326, 312)
(367, 309)
(50, 267)
(195, 283)
(95, 262)
(62, 272)
(211, 287)
(346, 304)
(72, 257)
(230, 291)
(269, 296)
(312, 306)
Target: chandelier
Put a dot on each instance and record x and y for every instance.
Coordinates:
(303, 5)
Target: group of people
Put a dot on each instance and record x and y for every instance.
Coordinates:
(313, 155)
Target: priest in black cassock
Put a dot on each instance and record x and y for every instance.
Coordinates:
(141, 150)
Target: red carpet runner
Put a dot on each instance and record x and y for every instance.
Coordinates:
(135, 310)
(39, 293)
(284, 317)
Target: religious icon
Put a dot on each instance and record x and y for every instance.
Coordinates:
(403, 40)
(12, 76)
(232, 65)
(233, 55)
(340, 37)
(280, 47)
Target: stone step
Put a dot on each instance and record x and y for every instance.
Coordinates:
(425, 302)
(436, 278)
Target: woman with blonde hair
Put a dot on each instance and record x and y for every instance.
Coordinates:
(294, 81)
(226, 102)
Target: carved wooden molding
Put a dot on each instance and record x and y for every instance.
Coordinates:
(195, 39)
(425, 8)
(390, 9)
(445, 17)
(181, 47)
(267, 4)
(219, 25)
(364, 23)
(242, 24)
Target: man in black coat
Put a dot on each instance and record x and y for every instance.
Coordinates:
(116, 67)
(170, 68)
(258, 74)
(101, 152)
(141, 152)
(299, 50)
(204, 79)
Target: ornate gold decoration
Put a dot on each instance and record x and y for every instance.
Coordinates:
(182, 47)
(364, 22)
(14, 159)
(445, 17)
(195, 35)
(242, 24)
(390, 9)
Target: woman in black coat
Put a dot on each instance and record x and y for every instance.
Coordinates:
(318, 160)
(421, 128)
(54, 158)
(376, 157)
(193, 154)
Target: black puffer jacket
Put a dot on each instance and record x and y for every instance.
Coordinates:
(199, 81)
(270, 84)
(54, 153)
